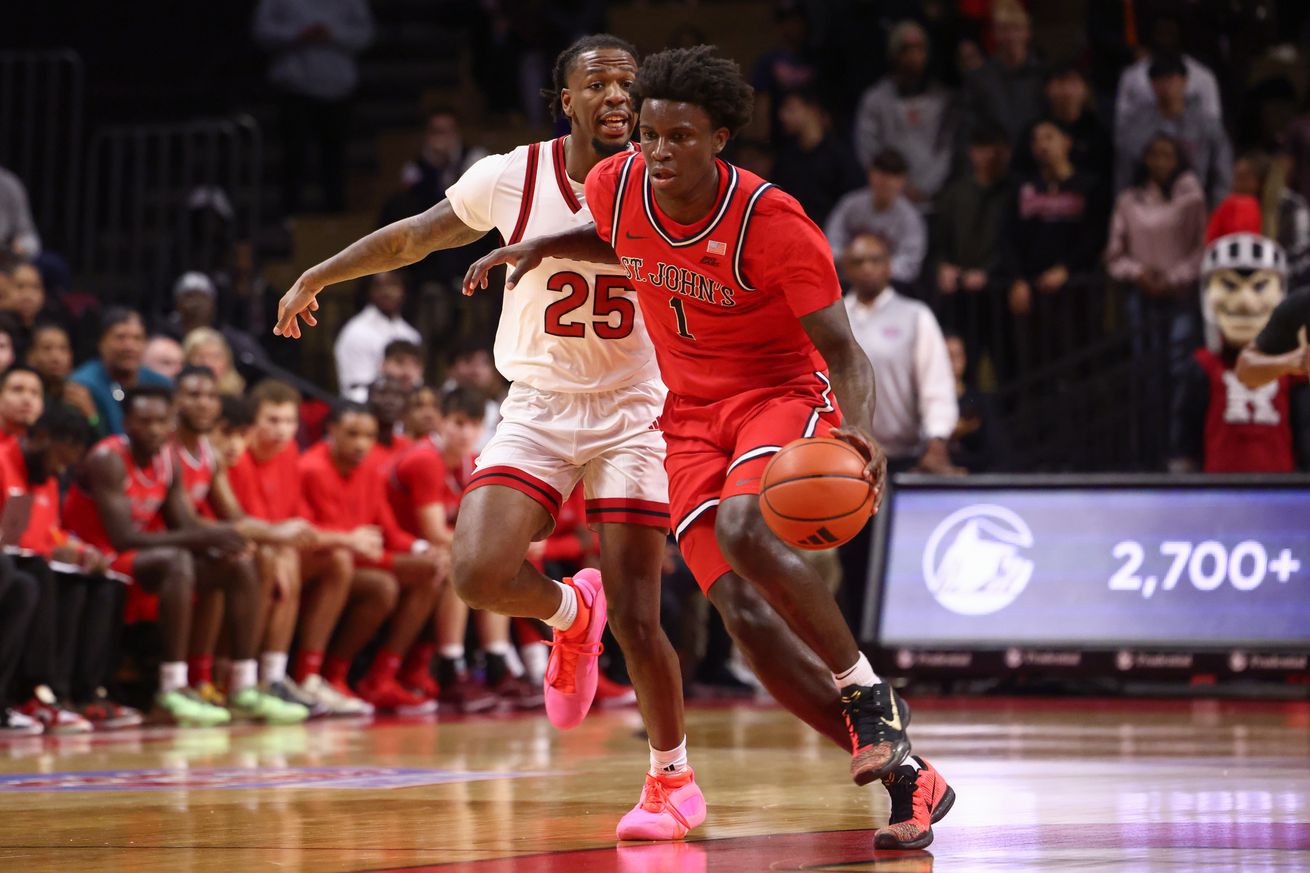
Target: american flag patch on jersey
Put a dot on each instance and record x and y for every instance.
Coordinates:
(715, 247)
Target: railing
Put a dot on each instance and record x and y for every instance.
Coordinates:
(41, 111)
(1077, 384)
(142, 225)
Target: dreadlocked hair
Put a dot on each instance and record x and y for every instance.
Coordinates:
(699, 76)
(564, 63)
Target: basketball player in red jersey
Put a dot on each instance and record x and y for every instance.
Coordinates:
(744, 307)
(128, 499)
(204, 476)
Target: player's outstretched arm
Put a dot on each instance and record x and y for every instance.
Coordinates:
(579, 244)
(397, 245)
(852, 381)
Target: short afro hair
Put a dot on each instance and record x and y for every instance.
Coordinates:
(559, 77)
(699, 76)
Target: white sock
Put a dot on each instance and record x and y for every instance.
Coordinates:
(245, 674)
(568, 608)
(861, 674)
(672, 761)
(535, 657)
(172, 676)
(503, 650)
(273, 666)
(451, 653)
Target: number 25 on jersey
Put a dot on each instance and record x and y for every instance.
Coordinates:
(606, 303)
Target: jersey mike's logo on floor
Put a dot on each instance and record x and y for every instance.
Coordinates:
(974, 562)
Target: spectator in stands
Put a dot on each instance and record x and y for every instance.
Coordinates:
(882, 208)
(916, 412)
(1007, 88)
(1157, 237)
(72, 644)
(387, 399)
(1284, 214)
(814, 165)
(788, 66)
(363, 340)
(164, 355)
(127, 499)
(975, 445)
(25, 300)
(472, 366)
(1050, 247)
(205, 347)
(1136, 90)
(402, 360)
(423, 413)
(8, 342)
(1201, 134)
(266, 482)
(442, 158)
(313, 46)
(343, 492)
(18, 233)
(911, 112)
(204, 476)
(1069, 101)
(966, 239)
(118, 367)
(51, 355)
(22, 400)
(195, 300)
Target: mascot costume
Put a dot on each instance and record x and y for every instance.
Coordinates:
(1220, 425)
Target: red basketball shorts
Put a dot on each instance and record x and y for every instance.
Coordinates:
(719, 450)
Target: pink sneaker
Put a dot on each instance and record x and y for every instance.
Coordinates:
(572, 670)
(670, 806)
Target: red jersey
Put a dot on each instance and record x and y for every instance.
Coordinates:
(343, 503)
(268, 490)
(197, 474)
(43, 532)
(1246, 430)
(385, 456)
(721, 299)
(146, 489)
(420, 478)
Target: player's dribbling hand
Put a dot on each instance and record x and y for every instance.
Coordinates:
(300, 301)
(524, 256)
(875, 468)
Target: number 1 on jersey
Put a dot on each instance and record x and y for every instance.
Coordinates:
(676, 304)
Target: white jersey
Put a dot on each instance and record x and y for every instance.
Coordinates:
(568, 326)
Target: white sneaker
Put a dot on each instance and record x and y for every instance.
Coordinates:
(316, 688)
(14, 724)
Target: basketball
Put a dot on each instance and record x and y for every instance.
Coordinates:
(814, 495)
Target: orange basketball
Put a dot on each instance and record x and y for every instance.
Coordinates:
(814, 495)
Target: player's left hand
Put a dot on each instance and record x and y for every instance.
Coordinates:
(875, 468)
(523, 256)
(301, 301)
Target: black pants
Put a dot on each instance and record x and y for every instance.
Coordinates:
(320, 125)
(73, 636)
(18, 596)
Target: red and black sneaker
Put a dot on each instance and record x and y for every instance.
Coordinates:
(877, 718)
(920, 799)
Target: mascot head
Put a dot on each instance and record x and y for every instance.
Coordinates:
(1243, 277)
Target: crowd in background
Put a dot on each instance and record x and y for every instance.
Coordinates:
(981, 199)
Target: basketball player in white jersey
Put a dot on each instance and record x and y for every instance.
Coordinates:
(583, 405)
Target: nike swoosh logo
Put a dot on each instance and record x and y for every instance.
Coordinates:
(629, 235)
(741, 482)
(895, 721)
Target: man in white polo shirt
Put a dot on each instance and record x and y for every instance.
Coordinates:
(917, 409)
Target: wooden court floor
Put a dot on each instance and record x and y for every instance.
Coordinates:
(1042, 785)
